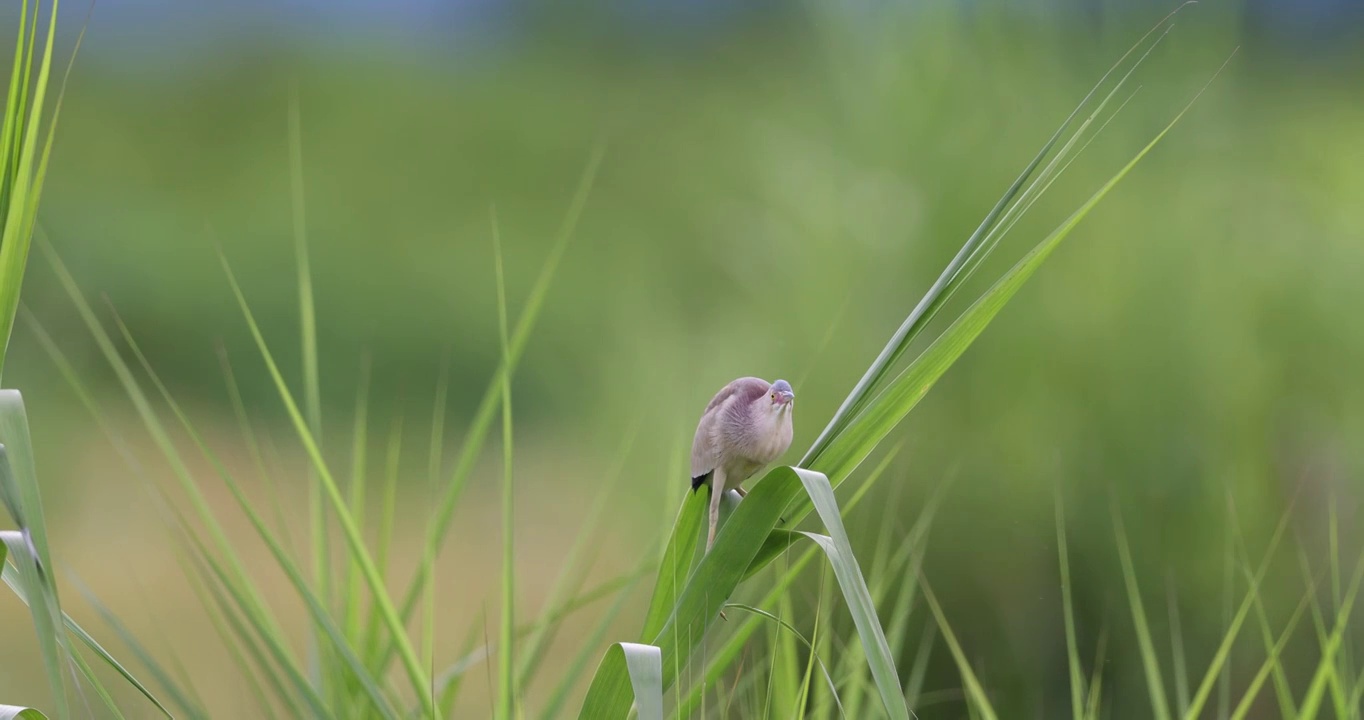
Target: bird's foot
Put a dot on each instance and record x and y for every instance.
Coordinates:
(745, 494)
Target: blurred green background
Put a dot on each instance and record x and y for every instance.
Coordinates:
(780, 186)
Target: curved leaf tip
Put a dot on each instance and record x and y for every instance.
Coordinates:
(643, 665)
(14, 712)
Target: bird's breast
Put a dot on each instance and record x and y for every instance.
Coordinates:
(772, 438)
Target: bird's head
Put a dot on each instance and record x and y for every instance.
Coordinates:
(781, 395)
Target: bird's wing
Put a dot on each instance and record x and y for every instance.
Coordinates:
(704, 455)
(705, 448)
(746, 385)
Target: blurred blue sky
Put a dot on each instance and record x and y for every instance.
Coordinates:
(133, 25)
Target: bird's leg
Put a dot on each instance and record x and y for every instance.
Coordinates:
(717, 489)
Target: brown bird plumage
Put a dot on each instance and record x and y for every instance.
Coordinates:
(746, 426)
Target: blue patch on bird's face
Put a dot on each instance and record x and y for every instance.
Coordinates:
(782, 395)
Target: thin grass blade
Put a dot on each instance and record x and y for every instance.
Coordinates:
(822, 648)
(675, 567)
(19, 486)
(253, 657)
(919, 669)
(1233, 630)
(489, 405)
(243, 590)
(851, 670)
(1155, 685)
(101, 692)
(25, 578)
(792, 632)
(1283, 692)
(855, 593)
(15, 101)
(350, 572)
(784, 683)
(914, 324)
(979, 701)
(372, 633)
(506, 676)
(253, 447)
(1311, 703)
(1179, 659)
(849, 448)
(355, 543)
(22, 202)
(1319, 620)
(68, 372)
(1097, 677)
(247, 622)
(322, 618)
(1341, 673)
(255, 617)
(448, 683)
(388, 510)
(29, 556)
(16, 578)
(1077, 677)
(1272, 658)
(564, 586)
(581, 661)
(177, 695)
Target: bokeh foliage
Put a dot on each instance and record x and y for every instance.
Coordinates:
(774, 200)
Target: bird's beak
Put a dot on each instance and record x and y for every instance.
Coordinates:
(785, 398)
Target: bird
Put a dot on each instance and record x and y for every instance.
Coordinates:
(746, 426)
